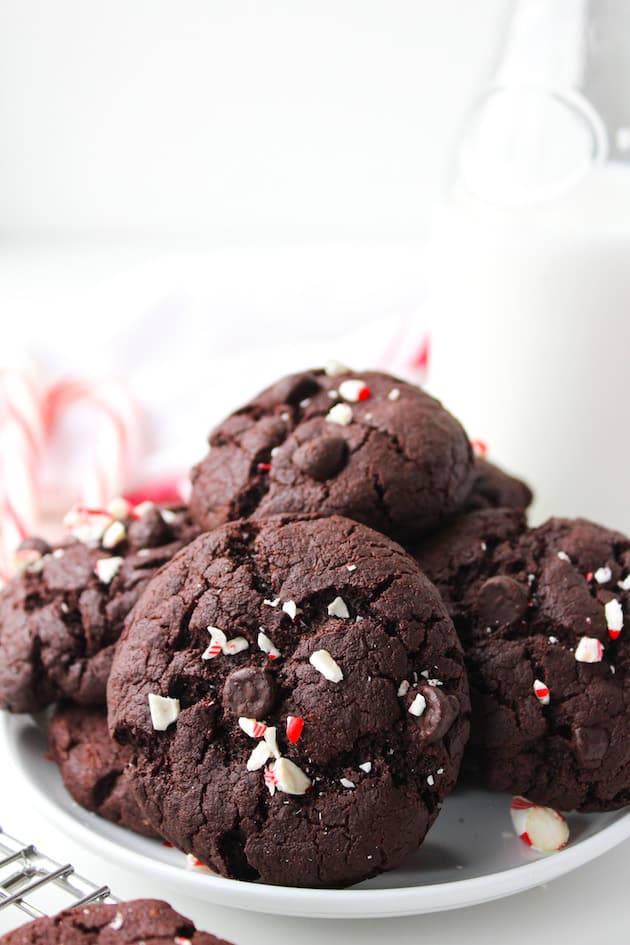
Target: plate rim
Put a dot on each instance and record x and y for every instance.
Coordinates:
(306, 901)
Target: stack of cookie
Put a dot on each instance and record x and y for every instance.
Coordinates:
(288, 665)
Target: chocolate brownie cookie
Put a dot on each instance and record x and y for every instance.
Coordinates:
(493, 488)
(61, 616)
(123, 923)
(96, 770)
(367, 446)
(541, 615)
(296, 696)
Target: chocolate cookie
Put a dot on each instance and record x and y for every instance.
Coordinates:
(296, 696)
(96, 771)
(123, 923)
(494, 488)
(61, 616)
(370, 447)
(541, 615)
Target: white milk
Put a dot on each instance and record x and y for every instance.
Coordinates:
(530, 315)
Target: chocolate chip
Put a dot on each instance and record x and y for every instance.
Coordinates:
(293, 389)
(591, 744)
(321, 458)
(502, 601)
(149, 531)
(249, 691)
(439, 714)
(35, 544)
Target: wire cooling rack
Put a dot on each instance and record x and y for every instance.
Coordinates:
(32, 884)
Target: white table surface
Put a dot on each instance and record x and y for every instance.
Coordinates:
(589, 904)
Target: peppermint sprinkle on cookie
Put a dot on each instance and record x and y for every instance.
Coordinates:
(266, 645)
(106, 569)
(625, 584)
(291, 608)
(614, 618)
(418, 705)
(351, 567)
(541, 692)
(347, 783)
(271, 739)
(117, 922)
(272, 603)
(430, 780)
(354, 390)
(333, 368)
(252, 727)
(340, 414)
(295, 724)
(114, 535)
(394, 394)
(259, 757)
(589, 650)
(603, 575)
(541, 828)
(366, 766)
(564, 556)
(289, 778)
(338, 608)
(322, 661)
(404, 687)
(164, 711)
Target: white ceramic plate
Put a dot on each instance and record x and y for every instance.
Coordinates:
(470, 856)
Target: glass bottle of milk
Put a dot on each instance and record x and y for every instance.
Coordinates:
(530, 303)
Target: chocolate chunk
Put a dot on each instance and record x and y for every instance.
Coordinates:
(502, 601)
(439, 714)
(591, 744)
(321, 458)
(149, 531)
(249, 691)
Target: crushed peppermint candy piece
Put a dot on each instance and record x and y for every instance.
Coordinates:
(219, 640)
(553, 639)
(259, 757)
(564, 556)
(625, 584)
(272, 603)
(323, 662)
(354, 390)
(347, 783)
(87, 525)
(113, 535)
(418, 705)
(589, 650)
(333, 368)
(291, 608)
(434, 682)
(252, 727)
(603, 575)
(266, 645)
(614, 618)
(295, 724)
(168, 516)
(142, 508)
(394, 394)
(164, 711)
(271, 738)
(338, 608)
(288, 778)
(404, 688)
(181, 940)
(119, 508)
(106, 569)
(28, 558)
(340, 414)
(270, 780)
(351, 567)
(541, 691)
(480, 448)
(366, 766)
(193, 863)
(117, 922)
(541, 828)
(430, 780)
(235, 645)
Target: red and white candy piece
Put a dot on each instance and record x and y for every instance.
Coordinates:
(418, 705)
(114, 534)
(271, 738)
(181, 940)
(87, 524)
(287, 777)
(267, 646)
(218, 641)
(354, 390)
(340, 414)
(589, 650)
(603, 575)
(614, 618)
(480, 448)
(106, 569)
(291, 609)
(252, 727)
(338, 608)
(295, 724)
(541, 691)
(322, 661)
(541, 828)
(164, 711)
(235, 645)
